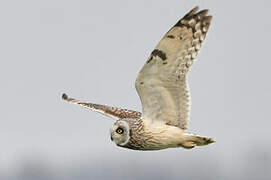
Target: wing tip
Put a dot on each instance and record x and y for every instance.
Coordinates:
(192, 11)
(65, 96)
(199, 16)
(195, 10)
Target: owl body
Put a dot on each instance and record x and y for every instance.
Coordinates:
(154, 136)
(163, 136)
(137, 135)
(163, 90)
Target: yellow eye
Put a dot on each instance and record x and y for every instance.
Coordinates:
(119, 130)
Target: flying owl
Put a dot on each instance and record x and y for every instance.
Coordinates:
(163, 91)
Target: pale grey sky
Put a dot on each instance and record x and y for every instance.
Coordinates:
(93, 50)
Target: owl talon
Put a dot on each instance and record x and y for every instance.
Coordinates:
(189, 144)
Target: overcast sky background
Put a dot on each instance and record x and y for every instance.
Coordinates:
(93, 50)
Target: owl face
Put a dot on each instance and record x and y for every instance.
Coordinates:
(120, 133)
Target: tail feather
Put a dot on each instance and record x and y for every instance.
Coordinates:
(202, 141)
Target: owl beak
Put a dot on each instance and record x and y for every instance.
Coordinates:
(111, 138)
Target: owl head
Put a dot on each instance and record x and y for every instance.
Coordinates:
(120, 132)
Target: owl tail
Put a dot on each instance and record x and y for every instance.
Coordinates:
(192, 140)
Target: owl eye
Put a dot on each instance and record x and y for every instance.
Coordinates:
(119, 130)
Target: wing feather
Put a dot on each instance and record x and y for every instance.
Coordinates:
(162, 82)
(113, 112)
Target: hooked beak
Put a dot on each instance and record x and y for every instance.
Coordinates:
(111, 137)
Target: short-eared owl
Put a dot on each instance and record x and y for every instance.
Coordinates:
(163, 91)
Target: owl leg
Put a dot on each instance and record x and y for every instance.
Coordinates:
(189, 144)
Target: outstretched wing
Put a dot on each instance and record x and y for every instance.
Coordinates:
(162, 82)
(113, 112)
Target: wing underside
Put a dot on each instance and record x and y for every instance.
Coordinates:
(162, 82)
